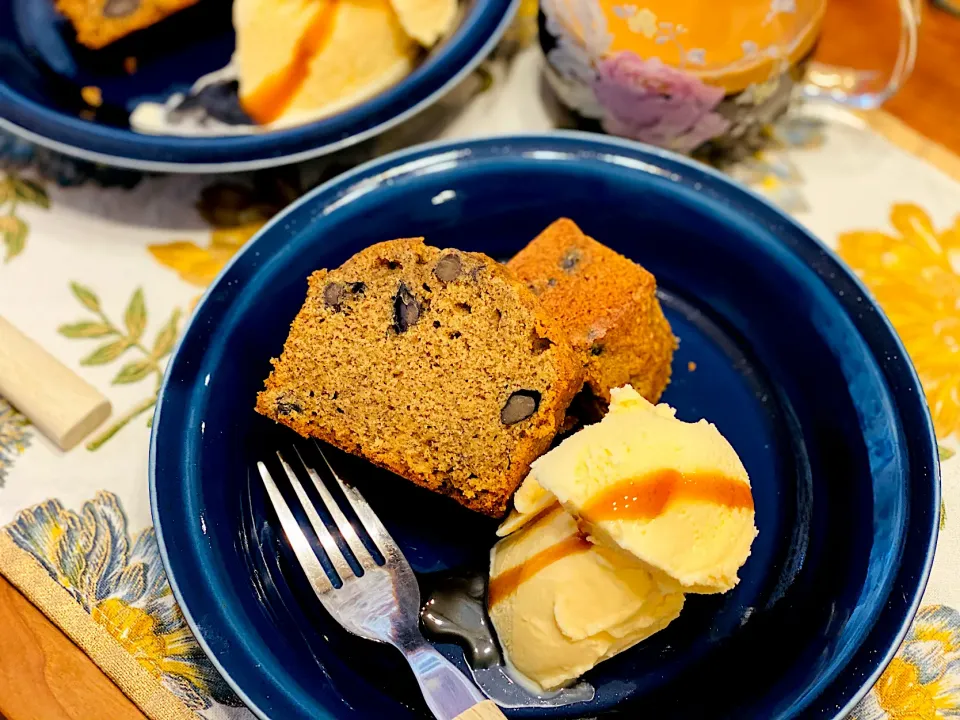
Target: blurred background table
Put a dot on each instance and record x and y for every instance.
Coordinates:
(862, 33)
(44, 676)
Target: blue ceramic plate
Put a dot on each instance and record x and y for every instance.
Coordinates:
(42, 70)
(794, 363)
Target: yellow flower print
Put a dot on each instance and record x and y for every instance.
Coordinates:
(523, 30)
(923, 680)
(915, 275)
(120, 581)
(236, 213)
(643, 21)
(200, 265)
(135, 630)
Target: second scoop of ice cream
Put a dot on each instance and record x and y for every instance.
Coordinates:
(561, 604)
(609, 530)
(673, 494)
(300, 60)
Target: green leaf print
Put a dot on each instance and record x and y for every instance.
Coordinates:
(166, 337)
(945, 453)
(135, 318)
(16, 191)
(106, 353)
(125, 339)
(30, 192)
(85, 329)
(86, 296)
(133, 372)
(14, 236)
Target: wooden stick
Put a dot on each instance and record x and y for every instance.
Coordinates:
(487, 710)
(55, 399)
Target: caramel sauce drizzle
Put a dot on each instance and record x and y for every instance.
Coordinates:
(638, 498)
(508, 581)
(648, 496)
(271, 99)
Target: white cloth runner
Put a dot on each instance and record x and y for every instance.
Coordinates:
(87, 264)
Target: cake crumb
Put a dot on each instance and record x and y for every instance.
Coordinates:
(130, 65)
(691, 366)
(100, 22)
(92, 96)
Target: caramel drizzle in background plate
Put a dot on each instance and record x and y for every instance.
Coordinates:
(268, 102)
(639, 498)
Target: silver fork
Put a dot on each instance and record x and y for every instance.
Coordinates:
(382, 604)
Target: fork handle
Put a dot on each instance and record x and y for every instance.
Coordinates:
(449, 694)
(487, 710)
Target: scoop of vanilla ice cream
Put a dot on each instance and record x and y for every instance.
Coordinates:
(560, 604)
(426, 21)
(300, 60)
(673, 494)
(609, 530)
(366, 52)
(268, 36)
(528, 501)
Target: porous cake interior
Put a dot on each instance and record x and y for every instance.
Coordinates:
(436, 364)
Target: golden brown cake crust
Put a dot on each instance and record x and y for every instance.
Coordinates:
(436, 364)
(100, 22)
(605, 303)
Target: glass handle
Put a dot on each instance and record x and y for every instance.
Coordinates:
(867, 89)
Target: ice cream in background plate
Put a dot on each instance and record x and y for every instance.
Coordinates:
(611, 528)
(426, 21)
(302, 60)
(299, 60)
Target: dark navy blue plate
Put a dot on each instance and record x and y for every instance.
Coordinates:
(793, 361)
(43, 69)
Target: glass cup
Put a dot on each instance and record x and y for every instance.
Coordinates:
(702, 75)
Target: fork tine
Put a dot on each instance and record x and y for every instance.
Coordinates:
(368, 518)
(326, 539)
(343, 525)
(316, 575)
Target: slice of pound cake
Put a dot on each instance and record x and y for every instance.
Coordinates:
(100, 22)
(436, 364)
(606, 304)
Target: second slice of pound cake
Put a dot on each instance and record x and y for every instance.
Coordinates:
(436, 364)
(606, 304)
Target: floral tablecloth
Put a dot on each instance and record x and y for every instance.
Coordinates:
(102, 266)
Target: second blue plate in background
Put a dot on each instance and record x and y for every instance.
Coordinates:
(43, 69)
